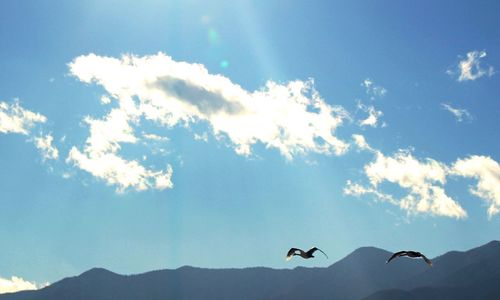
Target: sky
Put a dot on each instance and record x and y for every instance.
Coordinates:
(142, 136)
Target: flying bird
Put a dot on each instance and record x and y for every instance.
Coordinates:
(309, 254)
(412, 254)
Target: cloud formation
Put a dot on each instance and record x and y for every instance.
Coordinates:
(372, 89)
(44, 144)
(355, 189)
(100, 155)
(487, 173)
(373, 115)
(460, 114)
(291, 117)
(361, 143)
(15, 284)
(424, 180)
(470, 68)
(16, 119)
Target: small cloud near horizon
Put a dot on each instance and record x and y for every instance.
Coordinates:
(16, 284)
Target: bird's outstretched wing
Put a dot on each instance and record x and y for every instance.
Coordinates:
(397, 254)
(314, 249)
(428, 261)
(291, 252)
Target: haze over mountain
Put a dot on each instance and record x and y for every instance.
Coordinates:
(363, 274)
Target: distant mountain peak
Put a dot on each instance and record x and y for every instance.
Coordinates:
(97, 272)
(368, 251)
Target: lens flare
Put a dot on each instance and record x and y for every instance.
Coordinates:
(224, 64)
(213, 36)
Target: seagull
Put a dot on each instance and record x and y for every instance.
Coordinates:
(412, 254)
(306, 255)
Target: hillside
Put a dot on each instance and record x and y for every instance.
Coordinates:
(363, 274)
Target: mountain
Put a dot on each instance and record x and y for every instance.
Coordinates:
(363, 274)
(457, 275)
(359, 274)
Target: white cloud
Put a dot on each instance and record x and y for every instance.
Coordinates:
(487, 172)
(117, 171)
(100, 155)
(373, 115)
(358, 190)
(423, 180)
(367, 83)
(201, 137)
(459, 113)
(373, 90)
(105, 99)
(154, 137)
(361, 143)
(292, 118)
(44, 144)
(470, 68)
(16, 119)
(15, 284)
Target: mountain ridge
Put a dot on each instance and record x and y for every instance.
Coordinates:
(362, 274)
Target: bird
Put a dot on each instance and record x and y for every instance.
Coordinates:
(306, 255)
(412, 254)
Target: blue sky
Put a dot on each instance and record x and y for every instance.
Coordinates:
(290, 123)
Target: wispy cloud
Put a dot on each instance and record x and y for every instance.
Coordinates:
(361, 143)
(154, 137)
(44, 144)
(16, 119)
(373, 115)
(201, 137)
(16, 284)
(292, 117)
(470, 68)
(372, 89)
(487, 172)
(355, 189)
(460, 114)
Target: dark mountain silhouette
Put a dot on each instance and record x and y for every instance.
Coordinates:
(363, 274)
(474, 274)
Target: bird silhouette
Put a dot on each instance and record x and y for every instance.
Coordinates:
(309, 254)
(412, 254)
